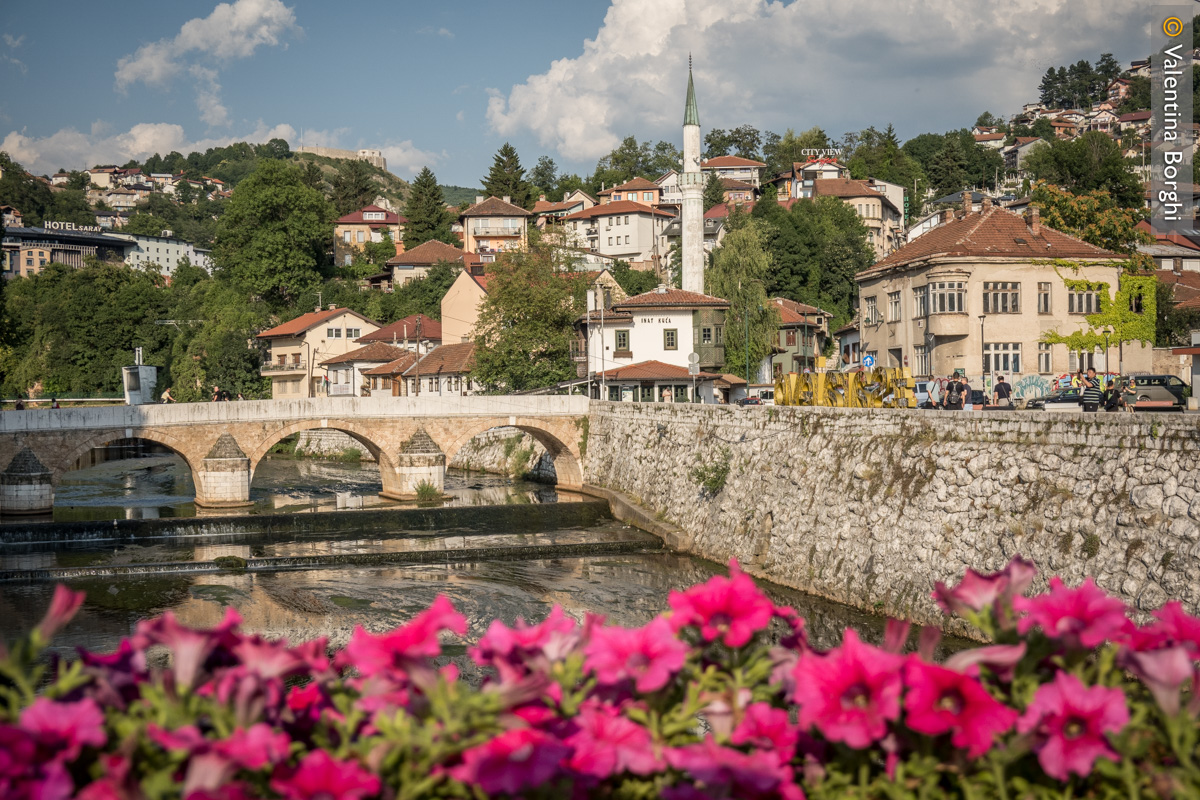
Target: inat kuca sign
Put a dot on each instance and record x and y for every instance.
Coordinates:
(55, 225)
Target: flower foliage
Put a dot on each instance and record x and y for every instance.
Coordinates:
(722, 697)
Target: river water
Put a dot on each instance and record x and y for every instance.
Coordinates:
(627, 588)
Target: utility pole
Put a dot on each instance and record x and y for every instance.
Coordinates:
(418, 364)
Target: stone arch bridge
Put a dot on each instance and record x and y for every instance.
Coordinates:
(412, 438)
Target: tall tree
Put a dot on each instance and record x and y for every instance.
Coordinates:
(1088, 162)
(739, 272)
(1094, 217)
(353, 187)
(717, 142)
(1048, 90)
(948, 172)
(714, 191)
(428, 219)
(275, 233)
(506, 178)
(544, 177)
(1108, 69)
(780, 152)
(312, 175)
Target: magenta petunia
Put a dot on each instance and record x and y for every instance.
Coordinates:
(64, 728)
(850, 693)
(1084, 617)
(724, 772)
(320, 776)
(517, 651)
(190, 647)
(649, 656)
(63, 607)
(511, 762)
(975, 591)
(941, 700)
(1172, 626)
(1163, 671)
(405, 646)
(1070, 722)
(732, 609)
(607, 743)
(769, 729)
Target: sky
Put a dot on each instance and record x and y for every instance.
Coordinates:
(445, 84)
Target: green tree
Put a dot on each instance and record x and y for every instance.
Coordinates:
(1108, 69)
(633, 281)
(312, 176)
(717, 142)
(1138, 98)
(1088, 162)
(663, 158)
(948, 171)
(353, 187)
(525, 323)
(739, 273)
(428, 219)
(1095, 218)
(714, 191)
(507, 178)
(544, 177)
(924, 148)
(1048, 90)
(23, 192)
(780, 152)
(275, 234)
(1044, 128)
(1173, 325)
(988, 120)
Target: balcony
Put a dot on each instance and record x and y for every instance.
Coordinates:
(592, 231)
(275, 369)
(949, 324)
(480, 230)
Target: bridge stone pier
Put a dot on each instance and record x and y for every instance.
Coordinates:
(411, 438)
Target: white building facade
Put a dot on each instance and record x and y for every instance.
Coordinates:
(164, 251)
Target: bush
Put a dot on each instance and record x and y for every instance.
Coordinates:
(721, 698)
(350, 455)
(712, 477)
(427, 491)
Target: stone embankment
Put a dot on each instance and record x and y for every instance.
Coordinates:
(872, 507)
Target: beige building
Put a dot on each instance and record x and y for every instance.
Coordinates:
(299, 347)
(971, 296)
(353, 231)
(883, 219)
(493, 225)
(416, 263)
(461, 304)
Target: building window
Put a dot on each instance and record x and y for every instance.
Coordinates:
(353, 333)
(610, 240)
(647, 394)
(947, 298)
(719, 335)
(1044, 362)
(1135, 303)
(870, 311)
(790, 337)
(920, 302)
(333, 333)
(1002, 357)
(648, 196)
(921, 364)
(1083, 301)
(622, 340)
(626, 220)
(670, 339)
(349, 259)
(1044, 298)
(361, 237)
(681, 394)
(706, 335)
(614, 394)
(893, 306)
(618, 222)
(626, 240)
(874, 354)
(1001, 298)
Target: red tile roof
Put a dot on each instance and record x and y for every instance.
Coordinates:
(376, 352)
(991, 233)
(637, 184)
(396, 367)
(304, 322)
(988, 137)
(848, 187)
(669, 297)
(1188, 305)
(654, 370)
(609, 315)
(406, 328)
(449, 359)
(1024, 140)
(730, 183)
(1185, 285)
(730, 161)
(1136, 116)
(616, 207)
(793, 313)
(721, 210)
(427, 254)
(494, 207)
(356, 217)
(545, 206)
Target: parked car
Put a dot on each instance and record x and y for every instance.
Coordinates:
(1162, 387)
(979, 399)
(749, 401)
(1060, 400)
(921, 390)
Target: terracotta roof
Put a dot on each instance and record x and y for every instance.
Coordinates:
(406, 328)
(453, 359)
(356, 217)
(609, 316)
(671, 297)
(1021, 141)
(616, 207)
(545, 206)
(793, 313)
(721, 210)
(730, 183)
(847, 187)
(427, 254)
(1188, 305)
(732, 380)
(988, 137)
(377, 352)
(1186, 284)
(494, 207)
(731, 161)
(307, 321)
(991, 233)
(1136, 116)
(636, 184)
(654, 370)
(397, 367)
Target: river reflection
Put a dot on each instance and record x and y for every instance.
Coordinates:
(161, 486)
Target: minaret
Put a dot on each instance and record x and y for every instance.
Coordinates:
(691, 182)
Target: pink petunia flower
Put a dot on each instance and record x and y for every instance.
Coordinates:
(725, 772)
(190, 647)
(975, 592)
(732, 608)
(1163, 671)
(407, 646)
(320, 776)
(769, 729)
(649, 655)
(1001, 659)
(1070, 721)
(64, 728)
(850, 693)
(1084, 617)
(608, 743)
(940, 700)
(63, 607)
(517, 651)
(1172, 626)
(511, 762)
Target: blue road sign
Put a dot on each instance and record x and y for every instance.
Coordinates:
(868, 361)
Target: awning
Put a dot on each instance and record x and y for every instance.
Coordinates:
(1186, 351)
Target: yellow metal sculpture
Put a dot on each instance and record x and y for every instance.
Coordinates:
(875, 388)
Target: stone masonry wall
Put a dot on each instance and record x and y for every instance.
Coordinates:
(872, 507)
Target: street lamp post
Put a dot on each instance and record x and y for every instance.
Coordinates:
(983, 357)
(1107, 333)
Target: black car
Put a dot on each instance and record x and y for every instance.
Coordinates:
(1061, 400)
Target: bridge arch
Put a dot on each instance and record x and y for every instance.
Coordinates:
(60, 465)
(559, 436)
(363, 434)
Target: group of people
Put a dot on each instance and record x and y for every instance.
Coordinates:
(956, 394)
(219, 395)
(1095, 393)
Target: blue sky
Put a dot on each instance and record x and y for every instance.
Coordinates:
(444, 84)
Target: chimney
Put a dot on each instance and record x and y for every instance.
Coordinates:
(987, 204)
(478, 199)
(542, 198)
(507, 198)
(1033, 220)
(662, 288)
(947, 215)
(968, 200)
(1177, 266)
(332, 306)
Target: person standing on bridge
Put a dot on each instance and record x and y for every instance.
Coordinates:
(166, 396)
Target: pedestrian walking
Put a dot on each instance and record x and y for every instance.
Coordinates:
(954, 398)
(166, 396)
(965, 389)
(934, 394)
(1092, 396)
(1129, 395)
(1002, 393)
(216, 393)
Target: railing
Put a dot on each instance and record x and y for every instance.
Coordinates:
(292, 367)
(480, 230)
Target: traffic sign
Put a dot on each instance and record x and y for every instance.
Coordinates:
(868, 361)
(693, 369)
(693, 358)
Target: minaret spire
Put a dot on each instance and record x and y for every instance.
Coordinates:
(691, 184)
(691, 115)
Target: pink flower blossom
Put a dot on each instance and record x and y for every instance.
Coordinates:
(975, 592)
(511, 762)
(320, 776)
(1084, 617)
(1001, 659)
(1172, 626)
(1163, 671)
(649, 655)
(769, 729)
(940, 700)
(608, 743)
(731, 608)
(725, 772)
(850, 693)
(64, 728)
(190, 647)
(517, 651)
(1070, 721)
(406, 646)
(63, 607)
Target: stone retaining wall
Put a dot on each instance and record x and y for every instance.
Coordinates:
(872, 507)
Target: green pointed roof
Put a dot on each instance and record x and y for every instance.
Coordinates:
(691, 116)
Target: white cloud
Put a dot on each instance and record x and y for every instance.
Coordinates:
(406, 160)
(13, 42)
(75, 150)
(461, 115)
(232, 31)
(329, 138)
(429, 30)
(449, 34)
(841, 64)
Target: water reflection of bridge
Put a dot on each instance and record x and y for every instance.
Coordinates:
(411, 438)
